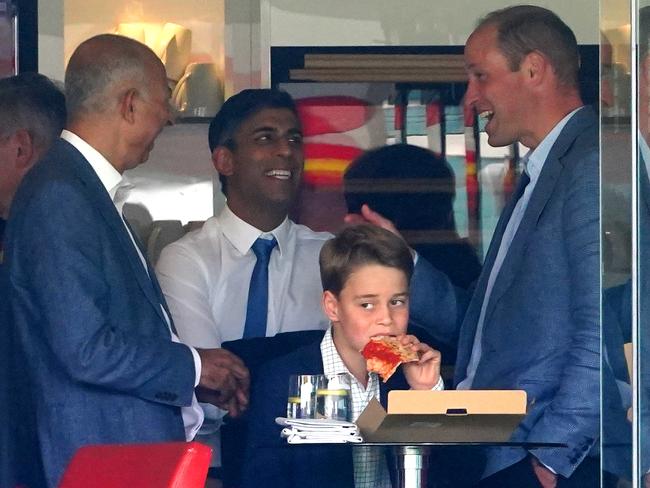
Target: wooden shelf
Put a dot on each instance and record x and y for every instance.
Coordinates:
(395, 68)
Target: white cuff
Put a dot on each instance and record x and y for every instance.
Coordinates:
(440, 385)
(197, 359)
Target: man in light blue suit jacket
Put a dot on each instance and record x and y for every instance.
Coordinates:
(92, 325)
(533, 321)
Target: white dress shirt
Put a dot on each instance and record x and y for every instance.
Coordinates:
(534, 162)
(205, 277)
(370, 468)
(117, 188)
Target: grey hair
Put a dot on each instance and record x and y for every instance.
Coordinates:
(101, 65)
(32, 102)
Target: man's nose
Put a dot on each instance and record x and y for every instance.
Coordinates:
(471, 96)
(284, 147)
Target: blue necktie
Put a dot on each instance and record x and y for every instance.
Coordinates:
(258, 292)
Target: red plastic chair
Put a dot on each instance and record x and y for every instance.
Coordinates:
(163, 465)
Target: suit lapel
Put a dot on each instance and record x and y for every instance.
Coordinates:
(152, 277)
(542, 192)
(470, 322)
(102, 202)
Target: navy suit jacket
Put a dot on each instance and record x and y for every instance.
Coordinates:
(644, 315)
(541, 331)
(87, 318)
(617, 429)
(269, 460)
(8, 476)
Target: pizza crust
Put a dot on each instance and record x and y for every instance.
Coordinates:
(385, 353)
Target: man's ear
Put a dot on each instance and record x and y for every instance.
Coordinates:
(127, 105)
(222, 159)
(330, 306)
(535, 67)
(25, 151)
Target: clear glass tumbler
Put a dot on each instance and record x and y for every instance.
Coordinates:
(334, 401)
(301, 401)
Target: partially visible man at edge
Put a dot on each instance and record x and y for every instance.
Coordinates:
(32, 115)
(533, 321)
(97, 340)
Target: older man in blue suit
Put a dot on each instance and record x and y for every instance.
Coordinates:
(92, 325)
(533, 321)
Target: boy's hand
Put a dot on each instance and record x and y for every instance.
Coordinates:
(424, 373)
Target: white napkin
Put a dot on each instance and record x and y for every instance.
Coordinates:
(310, 431)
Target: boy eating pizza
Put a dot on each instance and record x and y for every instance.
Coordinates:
(365, 272)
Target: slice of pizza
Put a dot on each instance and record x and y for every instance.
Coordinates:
(385, 353)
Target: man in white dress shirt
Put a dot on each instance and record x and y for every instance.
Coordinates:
(99, 346)
(256, 144)
(257, 148)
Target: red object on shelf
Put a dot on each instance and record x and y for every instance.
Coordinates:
(434, 114)
(471, 177)
(332, 114)
(161, 465)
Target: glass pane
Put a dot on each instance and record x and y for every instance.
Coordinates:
(642, 222)
(616, 212)
(616, 200)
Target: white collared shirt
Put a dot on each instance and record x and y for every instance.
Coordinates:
(117, 188)
(205, 277)
(370, 468)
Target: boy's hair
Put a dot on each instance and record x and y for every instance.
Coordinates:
(361, 245)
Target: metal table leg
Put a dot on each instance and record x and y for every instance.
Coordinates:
(412, 466)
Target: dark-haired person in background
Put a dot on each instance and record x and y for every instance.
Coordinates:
(415, 189)
(32, 115)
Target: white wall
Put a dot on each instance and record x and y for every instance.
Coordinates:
(50, 38)
(412, 22)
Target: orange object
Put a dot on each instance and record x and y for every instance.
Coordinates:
(326, 163)
(169, 464)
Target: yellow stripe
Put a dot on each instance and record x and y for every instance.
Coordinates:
(323, 164)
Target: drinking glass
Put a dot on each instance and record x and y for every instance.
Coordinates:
(301, 402)
(334, 400)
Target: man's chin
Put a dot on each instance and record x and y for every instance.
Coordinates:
(495, 140)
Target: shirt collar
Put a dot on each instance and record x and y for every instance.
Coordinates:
(106, 172)
(242, 235)
(332, 362)
(536, 157)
